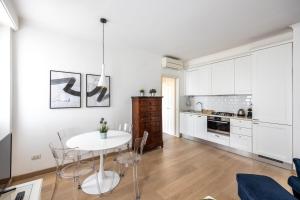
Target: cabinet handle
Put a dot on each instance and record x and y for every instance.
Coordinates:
(255, 123)
(217, 135)
(254, 119)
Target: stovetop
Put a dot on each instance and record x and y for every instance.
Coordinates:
(223, 114)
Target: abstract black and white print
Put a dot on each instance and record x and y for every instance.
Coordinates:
(97, 96)
(65, 89)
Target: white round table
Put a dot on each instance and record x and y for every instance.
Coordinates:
(92, 142)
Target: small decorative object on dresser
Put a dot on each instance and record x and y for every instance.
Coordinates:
(103, 128)
(152, 92)
(142, 92)
(147, 116)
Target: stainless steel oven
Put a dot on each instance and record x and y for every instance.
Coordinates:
(219, 125)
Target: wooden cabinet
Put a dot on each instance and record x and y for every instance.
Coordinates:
(198, 82)
(272, 85)
(273, 141)
(223, 78)
(147, 116)
(243, 75)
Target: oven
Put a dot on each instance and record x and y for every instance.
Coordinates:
(219, 125)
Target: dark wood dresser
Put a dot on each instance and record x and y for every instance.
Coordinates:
(147, 116)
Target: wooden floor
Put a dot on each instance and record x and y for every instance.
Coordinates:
(183, 169)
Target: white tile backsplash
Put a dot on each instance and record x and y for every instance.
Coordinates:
(222, 103)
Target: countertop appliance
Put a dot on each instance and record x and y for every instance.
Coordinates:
(249, 114)
(241, 113)
(219, 124)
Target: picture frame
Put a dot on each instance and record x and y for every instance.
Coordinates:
(96, 97)
(65, 90)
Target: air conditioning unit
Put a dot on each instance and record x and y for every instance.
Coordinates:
(168, 62)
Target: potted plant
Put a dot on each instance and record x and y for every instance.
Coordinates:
(103, 128)
(152, 92)
(142, 92)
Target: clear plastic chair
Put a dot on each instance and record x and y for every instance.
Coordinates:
(63, 136)
(127, 128)
(70, 166)
(133, 158)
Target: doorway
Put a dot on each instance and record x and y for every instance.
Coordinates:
(169, 104)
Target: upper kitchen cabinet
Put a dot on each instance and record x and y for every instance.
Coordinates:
(272, 85)
(243, 75)
(198, 82)
(223, 78)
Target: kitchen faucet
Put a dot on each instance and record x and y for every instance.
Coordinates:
(199, 102)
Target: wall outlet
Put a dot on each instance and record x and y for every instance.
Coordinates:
(36, 157)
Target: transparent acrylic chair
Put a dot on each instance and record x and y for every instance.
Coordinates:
(126, 128)
(63, 136)
(70, 166)
(133, 158)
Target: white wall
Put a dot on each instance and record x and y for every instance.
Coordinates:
(296, 91)
(36, 51)
(5, 81)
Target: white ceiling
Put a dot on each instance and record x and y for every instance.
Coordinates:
(181, 28)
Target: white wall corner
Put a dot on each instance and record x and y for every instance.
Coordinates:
(296, 89)
(10, 14)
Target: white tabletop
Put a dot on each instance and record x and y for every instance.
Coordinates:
(92, 142)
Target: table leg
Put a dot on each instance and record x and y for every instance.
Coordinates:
(106, 179)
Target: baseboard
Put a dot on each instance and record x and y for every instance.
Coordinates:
(45, 171)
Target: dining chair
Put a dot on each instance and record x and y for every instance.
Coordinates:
(63, 136)
(133, 158)
(126, 127)
(70, 166)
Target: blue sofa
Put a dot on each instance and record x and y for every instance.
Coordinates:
(258, 187)
(294, 181)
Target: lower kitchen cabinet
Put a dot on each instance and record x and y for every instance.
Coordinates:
(193, 125)
(241, 134)
(200, 126)
(241, 142)
(273, 141)
(218, 138)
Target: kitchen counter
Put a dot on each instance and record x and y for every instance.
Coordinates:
(204, 114)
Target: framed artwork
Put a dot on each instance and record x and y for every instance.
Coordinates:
(65, 89)
(97, 96)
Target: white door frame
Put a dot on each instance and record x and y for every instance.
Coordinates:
(176, 101)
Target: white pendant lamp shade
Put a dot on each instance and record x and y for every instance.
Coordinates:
(102, 82)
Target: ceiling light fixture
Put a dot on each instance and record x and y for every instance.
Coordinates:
(102, 82)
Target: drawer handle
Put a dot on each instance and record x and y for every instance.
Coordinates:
(217, 135)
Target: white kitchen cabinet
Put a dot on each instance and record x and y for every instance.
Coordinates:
(187, 124)
(193, 125)
(183, 117)
(198, 82)
(272, 85)
(200, 126)
(243, 75)
(223, 78)
(241, 142)
(218, 138)
(241, 123)
(273, 141)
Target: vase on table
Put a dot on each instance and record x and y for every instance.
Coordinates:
(103, 128)
(103, 135)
